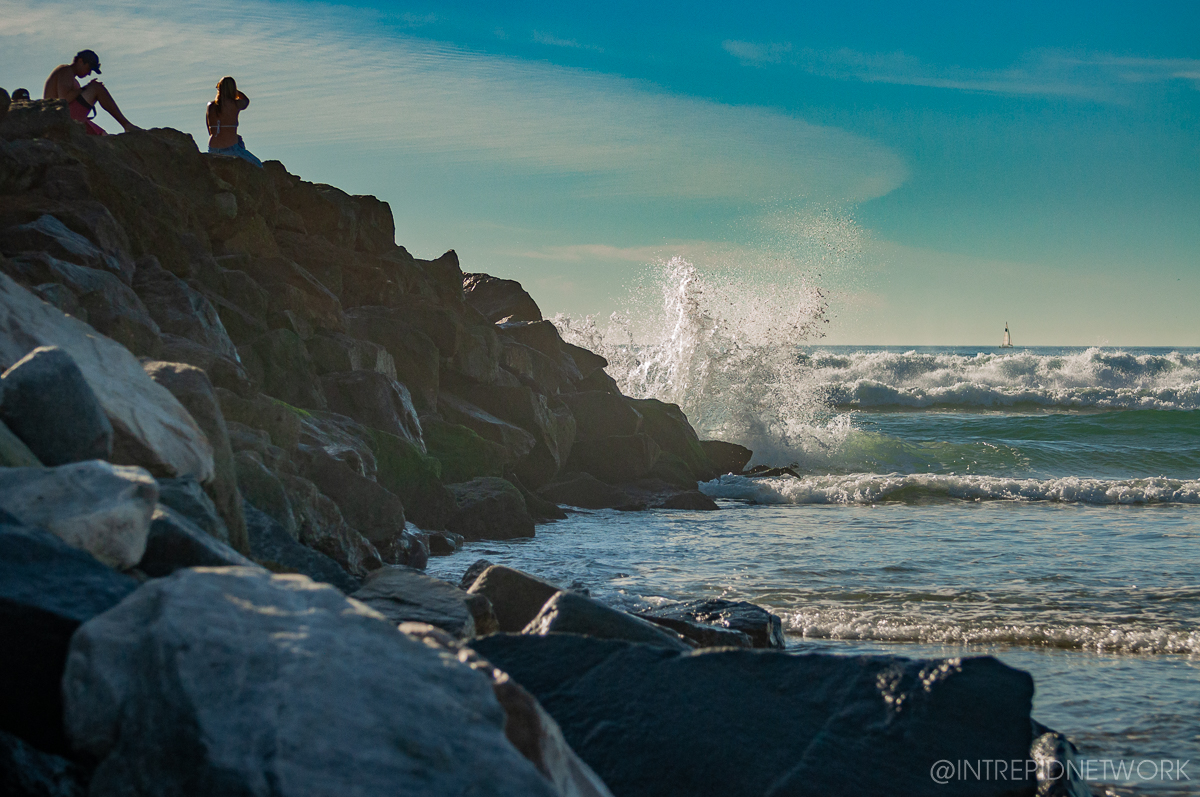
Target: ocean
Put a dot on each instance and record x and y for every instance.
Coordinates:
(1041, 505)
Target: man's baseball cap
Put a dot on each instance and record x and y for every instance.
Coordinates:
(90, 58)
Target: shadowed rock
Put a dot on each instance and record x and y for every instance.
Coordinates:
(404, 595)
(273, 548)
(28, 772)
(499, 299)
(175, 542)
(516, 597)
(570, 613)
(490, 509)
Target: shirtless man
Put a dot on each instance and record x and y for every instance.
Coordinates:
(63, 84)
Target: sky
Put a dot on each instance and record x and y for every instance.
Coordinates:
(935, 170)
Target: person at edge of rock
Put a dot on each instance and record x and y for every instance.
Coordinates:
(4, 103)
(20, 95)
(222, 120)
(63, 84)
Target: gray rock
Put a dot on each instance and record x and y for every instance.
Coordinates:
(599, 414)
(176, 542)
(272, 547)
(181, 310)
(95, 506)
(516, 597)
(374, 400)
(763, 628)
(48, 234)
(261, 487)
(152, 429)
(188, 498)
(234, 682)
(473, 572)
(332, 352)
(13, 451)
(489, 508)
(47, 403)
(322, 528)
(28, 772)
(279, 361)
(700, 635)
(404, 595)
(584, 490)
(455, 410)
(192, 388)
(370, 509)
(571, 613)
(445, 543)
(651, 721)
(47, 589)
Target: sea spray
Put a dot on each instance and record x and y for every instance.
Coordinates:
(726, 351)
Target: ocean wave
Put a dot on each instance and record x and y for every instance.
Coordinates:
(870, 488)
(1093, 378)
(844, 625)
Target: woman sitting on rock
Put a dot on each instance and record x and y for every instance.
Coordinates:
(222, 121)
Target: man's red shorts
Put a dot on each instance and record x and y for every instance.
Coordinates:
(79, 112)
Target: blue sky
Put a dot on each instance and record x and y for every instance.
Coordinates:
(935, 169)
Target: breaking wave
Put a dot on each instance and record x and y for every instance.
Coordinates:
(1095, 378)
(870, 488)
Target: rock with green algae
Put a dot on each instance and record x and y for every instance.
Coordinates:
(415, 477)
(463, 454)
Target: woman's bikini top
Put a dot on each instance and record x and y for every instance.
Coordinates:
(217, 132)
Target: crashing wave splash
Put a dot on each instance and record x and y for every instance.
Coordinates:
(845, 625)
(870, 488)
(726, 355)
(1095, 378)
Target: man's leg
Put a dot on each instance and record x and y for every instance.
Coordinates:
(95, 92)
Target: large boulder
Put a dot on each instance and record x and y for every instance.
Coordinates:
(152, 428)
(670, 428)
(415, 356)
(571, 613)
(47, 589)
(175, 542)
(584, 490)
(45, 401)
(701, 635)
(95, 506)
(651, 721)
(599, 415)
(276, 550)
(332, 352)
(372, 510)
(48, 234)
(374, 400)
(279, 362)
(516, 597)
(499, 299)
(516, 440)
(489, 508)
(764, 629)
(180, 309)
(231, 681)
(414, 477)
(188, 498)
(725, 457)
(404, 595)
(13, 451)
(261, 486)
(321, 526)
(616, 459)
(192, 388)
(462, 453)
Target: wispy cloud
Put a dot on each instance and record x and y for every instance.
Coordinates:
(343, 78)
(554, 41)
(1091, 76)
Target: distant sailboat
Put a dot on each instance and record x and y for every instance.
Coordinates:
(1007, 344)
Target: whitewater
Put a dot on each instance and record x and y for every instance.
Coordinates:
(1037, 504)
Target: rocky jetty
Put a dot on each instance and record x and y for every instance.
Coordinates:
(236, 419)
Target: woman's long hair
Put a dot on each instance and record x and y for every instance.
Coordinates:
(226, 89)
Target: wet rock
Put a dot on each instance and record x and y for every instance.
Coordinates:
(445, 543)
(47, 589)
(571, 613)
(763, 628)
(693, 500)
(322, 527)
(13, 451)
(516, 597)
(615, 459)
(192, 388)
(273, 548)
(648, 719)
(473, 572)
(374, 400)
(669, 427)
(489, 508)
(674, 471)
(700, 635)
(234, 682)
(725, 457)
(175, 541)
(403, 595)
(1059, 769)
(97, 507)
(188, 498)
(585, 491)
(47, 403)
(499, 299)
(540, 509)
(151, 428)
(26, 771)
